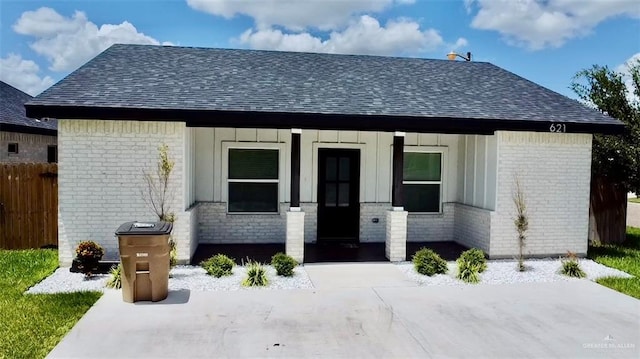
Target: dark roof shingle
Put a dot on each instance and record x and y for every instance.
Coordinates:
(169, 78)
(12, 111)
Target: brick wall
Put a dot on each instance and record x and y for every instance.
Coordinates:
(472, 226)
(369, 231)
(215, 225)
(31, 148)
(431, 227)
(100, 180)
(554, 170)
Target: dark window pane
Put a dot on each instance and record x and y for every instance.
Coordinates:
(52, 154)
(330, 195)
(253, 164)
(253, 197)
(421, 166)
(422, 197)
(343, 195)
(344, 168)
(331, 169)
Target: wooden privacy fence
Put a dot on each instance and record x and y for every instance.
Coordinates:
(28, 205)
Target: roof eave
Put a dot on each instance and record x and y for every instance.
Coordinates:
(373, 122)
(8, 127)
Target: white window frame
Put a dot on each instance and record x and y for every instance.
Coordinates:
(443, 153)
(282, 161)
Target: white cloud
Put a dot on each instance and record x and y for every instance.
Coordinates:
(295, 15)
(364, 36)
(538, 24)
(23, 75)
(460, 43)
(626, 76)
(68, 42)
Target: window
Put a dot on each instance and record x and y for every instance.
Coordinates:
(253, 180)
(422, 180)
(13, 148)
(52, 154)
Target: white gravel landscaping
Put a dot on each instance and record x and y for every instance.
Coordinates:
(504, 272)
(182, 277)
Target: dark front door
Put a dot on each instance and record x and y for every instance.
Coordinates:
(338, 195)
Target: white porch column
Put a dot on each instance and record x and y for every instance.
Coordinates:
(295, 234)
(295, 217)
(395, 248)
(396, 242)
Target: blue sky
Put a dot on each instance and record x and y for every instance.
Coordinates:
(545, 41)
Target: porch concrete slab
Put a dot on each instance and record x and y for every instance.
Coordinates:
(357, 275)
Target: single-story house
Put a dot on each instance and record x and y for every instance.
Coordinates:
(282, 147)
(24, 139)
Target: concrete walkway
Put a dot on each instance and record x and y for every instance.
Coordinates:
(346, 319)
(633, 214)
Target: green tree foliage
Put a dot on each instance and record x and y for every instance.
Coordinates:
(615, 157)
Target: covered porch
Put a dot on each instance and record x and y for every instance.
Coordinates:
(317, 253)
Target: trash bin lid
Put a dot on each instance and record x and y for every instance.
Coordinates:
(145, 228)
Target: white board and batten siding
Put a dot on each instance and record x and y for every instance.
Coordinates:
(375, 157)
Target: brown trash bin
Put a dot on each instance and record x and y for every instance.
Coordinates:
(144, 256)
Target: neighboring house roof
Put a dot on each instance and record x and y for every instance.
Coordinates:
(244, 88)
(13, 115)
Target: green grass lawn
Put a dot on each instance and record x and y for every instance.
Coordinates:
(32, 325)
(625, 257)
(634, 200)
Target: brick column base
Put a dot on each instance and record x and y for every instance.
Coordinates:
(295, 235)
(395, 247)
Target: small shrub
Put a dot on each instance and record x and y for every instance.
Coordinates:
(468, 270)
(218, 265)
(173, 253)
(571, 267)
(283, 264)
(428, 262)
(476, 258)
(88, 254)
(115, 279)
(256, 275)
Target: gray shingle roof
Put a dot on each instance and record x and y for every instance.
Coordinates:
(12, 111)
(169, 78)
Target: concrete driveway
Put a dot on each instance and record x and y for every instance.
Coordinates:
(387, 320)
(633, 214)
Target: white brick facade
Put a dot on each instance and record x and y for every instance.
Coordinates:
(431, 227)
(295, 235)
(215, 225)
(31, 148)
(472, 226)
(370, 231)
(100, 181)
(395, 248)
(555, 173)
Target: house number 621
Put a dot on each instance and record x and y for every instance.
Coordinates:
(558, 127)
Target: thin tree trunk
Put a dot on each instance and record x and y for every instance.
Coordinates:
(607, 212)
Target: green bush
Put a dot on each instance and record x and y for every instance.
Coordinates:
(283, 264)
(115, 281)
(476, 258)
(428, 262)
(218, 265)
(571, 267)
(468, 269)
(256, 275)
